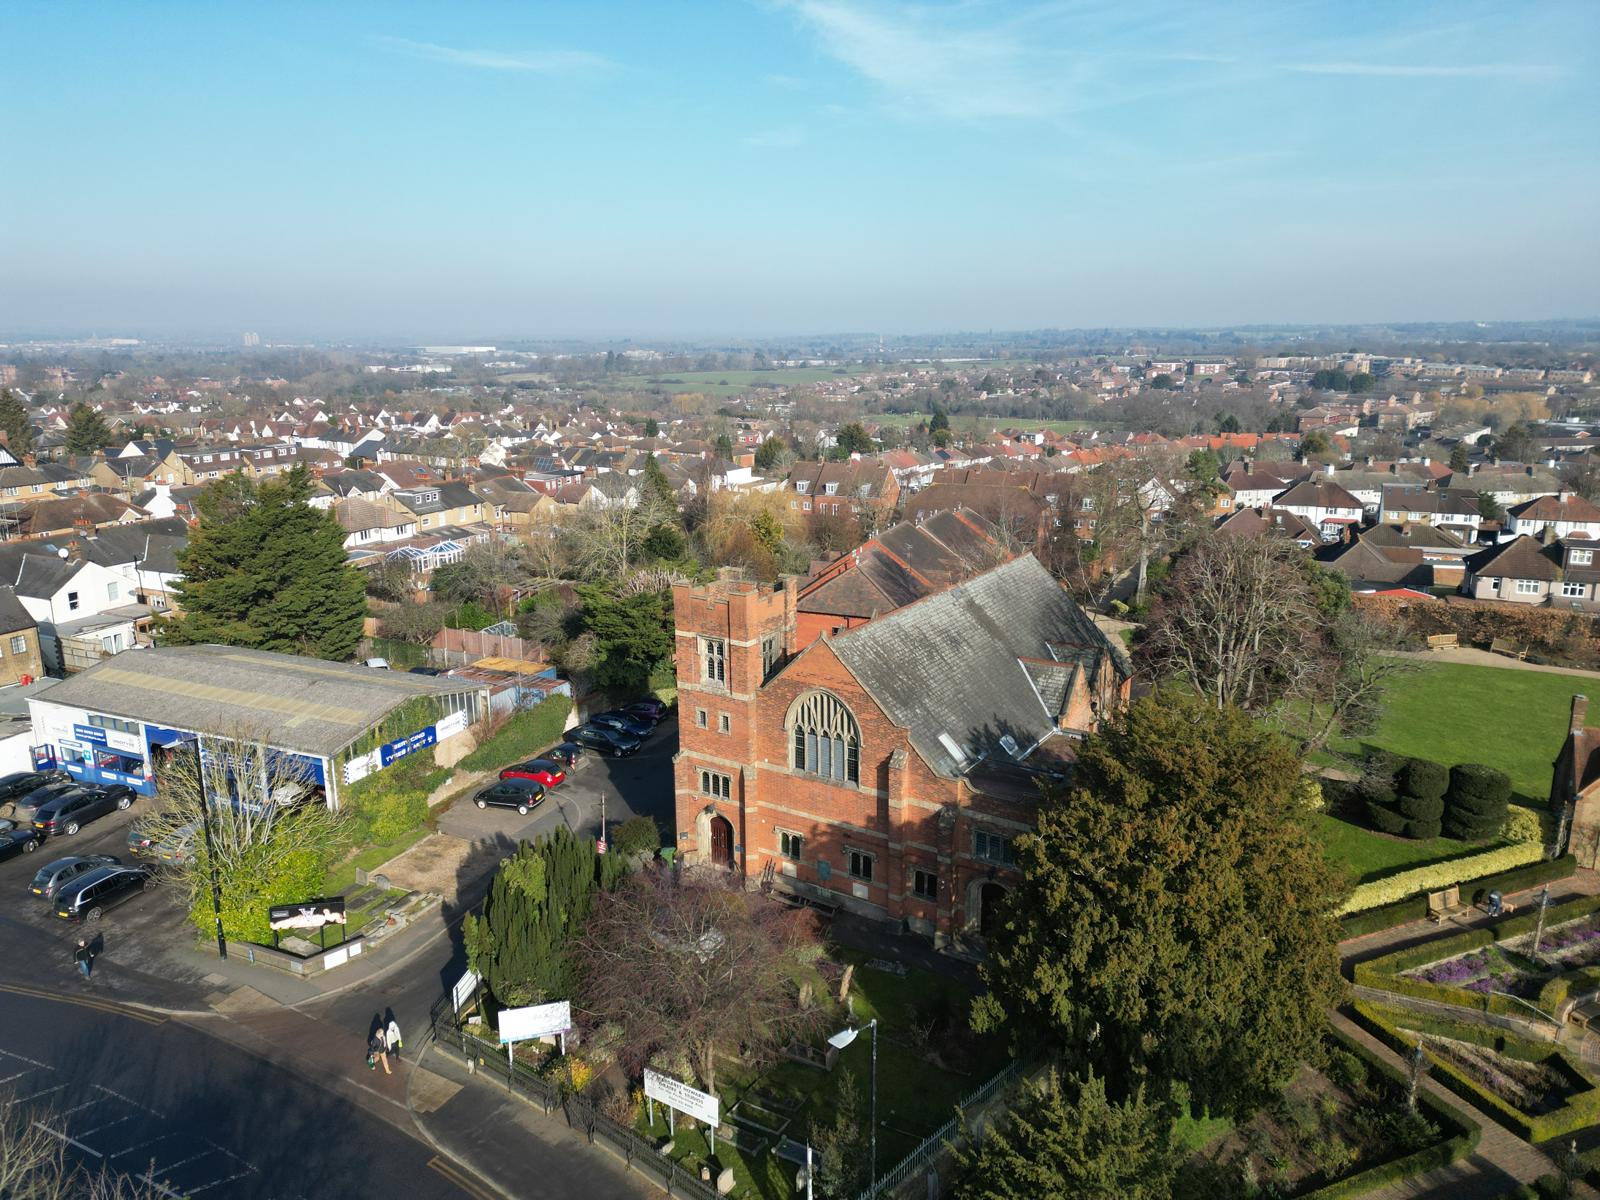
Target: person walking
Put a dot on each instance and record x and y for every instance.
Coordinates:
(84, 957)
(377, 1051)
(391, 1037)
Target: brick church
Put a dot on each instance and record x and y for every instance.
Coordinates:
(887, 767)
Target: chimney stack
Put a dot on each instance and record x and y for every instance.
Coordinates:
(1580, 713)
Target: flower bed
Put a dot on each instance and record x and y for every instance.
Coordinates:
(1492, 969)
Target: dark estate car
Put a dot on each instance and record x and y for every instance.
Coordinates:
(520, 794)
(87, 897)
(17, 841)
(652, 710)
(14, 787)
(604, 741)
(52, 877)
(541, 770)
(68, 812)
(28, 804)
(622, 722)
(424, 671)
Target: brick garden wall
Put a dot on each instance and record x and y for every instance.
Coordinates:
(1563, 636)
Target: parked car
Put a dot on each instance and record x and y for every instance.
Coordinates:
(174, 848)
(520, 794)
(27, 806)
(17, 841)
(88, 897)
(651, 709)
(545, 771)
(568, 754)
(612, 742)
(69, 812)
(424, 671)
(619, 720)
(52, 877)
(14, 787)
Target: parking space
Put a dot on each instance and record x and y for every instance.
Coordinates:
(638, 785)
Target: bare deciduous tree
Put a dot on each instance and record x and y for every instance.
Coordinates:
(607, 543)
(34, 1166)
(692, 962)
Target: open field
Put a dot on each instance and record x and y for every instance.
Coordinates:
(731, 383)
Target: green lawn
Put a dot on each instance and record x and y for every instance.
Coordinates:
(730, 383)
(1373, 855)
(344, 875)
(1510, 719)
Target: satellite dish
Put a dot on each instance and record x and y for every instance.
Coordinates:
(63, 553)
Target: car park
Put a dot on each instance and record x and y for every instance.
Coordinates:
(173, 848)
(611, 742)
(27, 806)
(520, 794)
(17, 841)
(545, 771)
(622, 722)
(53, 876)
(14, 787)
(92, 894)
(652, 710)
(67, 813)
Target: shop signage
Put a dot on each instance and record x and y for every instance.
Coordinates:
(702, 1106)
(537, 1020)
(401, 747)
(309, 914)
(89, 733)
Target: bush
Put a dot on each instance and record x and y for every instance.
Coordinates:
(1414, 907)
(1522, 825)
(1385, 819)
(1423, 779)
(1307, 794)
(1422, 814)
(1434, 876)
(636, 835)
(1475, 806)
(523, 736)
(393, 801)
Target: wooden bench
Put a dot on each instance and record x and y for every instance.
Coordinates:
(1501, 646)
(1446, 904)
(1443, 641)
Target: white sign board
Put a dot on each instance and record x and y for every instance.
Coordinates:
(449, 725)
(462, 992)
(537, 1020)
(359, 767)
(702, 1106)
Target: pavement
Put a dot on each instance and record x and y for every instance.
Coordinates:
(172, 1004)
(1472, 657)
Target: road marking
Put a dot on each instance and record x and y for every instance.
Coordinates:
(56, 1133)
(204, 1187)
(129, 1100)
(84, 1105)
(18, 1075)
(35, 1095)
(24, 1058)
(462, 1180)
(107, 1125)
(161, 1187)
(183, 1162)
(141, 1145)
(106, 1006)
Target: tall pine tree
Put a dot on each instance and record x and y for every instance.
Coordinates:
(17, 423)
(87, 430)
(265, 570)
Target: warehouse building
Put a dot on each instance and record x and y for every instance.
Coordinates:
(116, 721)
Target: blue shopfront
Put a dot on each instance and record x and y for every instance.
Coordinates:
(97, 749)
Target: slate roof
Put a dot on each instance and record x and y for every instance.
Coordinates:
(952, 664)
(1565, 507)
(1317, 493)
(300, 704)
(1521, 558)
(903, 564)
(451, 495)
(13, 616)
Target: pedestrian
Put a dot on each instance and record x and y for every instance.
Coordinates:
(84, 957)
(375, 1050)
(391, 1036)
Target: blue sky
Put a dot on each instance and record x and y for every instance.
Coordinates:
(746, 168)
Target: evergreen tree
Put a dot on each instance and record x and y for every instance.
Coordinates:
(17, 423)
(852, 439)
(651, 427)
(724, 446)
(633, 634)
(265, 570)
(87, 430)
(658, 486)
(1072, 1140)
(1460, 457)
(1173, 915)
(1475, 805)
(771, 451)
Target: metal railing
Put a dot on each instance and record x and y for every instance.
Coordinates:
(637, 1151)
(936, 1142)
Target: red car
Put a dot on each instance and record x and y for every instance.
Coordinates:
(541, 770)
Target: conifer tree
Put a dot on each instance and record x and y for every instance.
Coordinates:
(87, 430)
(17, 423)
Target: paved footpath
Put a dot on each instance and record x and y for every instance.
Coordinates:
(1468, 656)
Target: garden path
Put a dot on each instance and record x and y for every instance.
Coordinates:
(1487, 1172)
(1482, 658)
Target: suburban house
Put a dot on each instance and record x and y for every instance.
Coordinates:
(1407, 503)
(1567, 514)
(368, 524)
(887, 769)
(848, 488)
(437, 504)
(1258, 522)
(1324, 504)
(1385, 556)
(20, 659)
(1575, 786)
(1526, 570)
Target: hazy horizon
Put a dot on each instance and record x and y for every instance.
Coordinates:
(745, 170)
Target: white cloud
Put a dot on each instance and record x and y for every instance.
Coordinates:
(1429, 70)
(544, 62)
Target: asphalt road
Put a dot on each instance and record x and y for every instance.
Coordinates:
(200, 1118)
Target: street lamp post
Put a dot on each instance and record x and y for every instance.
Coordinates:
(839, 1041)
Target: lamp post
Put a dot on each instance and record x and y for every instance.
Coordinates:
(839, 1041)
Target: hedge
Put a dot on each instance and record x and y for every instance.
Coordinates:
(1385, 973)
(1490, 1036)
(1580, 1110)
(1415, 907)
(1561, 989)
(1429, 1158)
(1434, 876)
(523, 736)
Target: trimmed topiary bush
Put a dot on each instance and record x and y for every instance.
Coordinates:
(1385, 819)
(1423, 815)
(1522, 825)
(1475, 806)
(1423, 779)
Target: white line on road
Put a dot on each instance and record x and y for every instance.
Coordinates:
(141, 1145)
(84, 1105)
(205, 1187)
(182, 1162)
(71, 1141)
(24, 1058)
(18, 1075)
(35, 1096)
(107, 1125)
(129, 1100)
